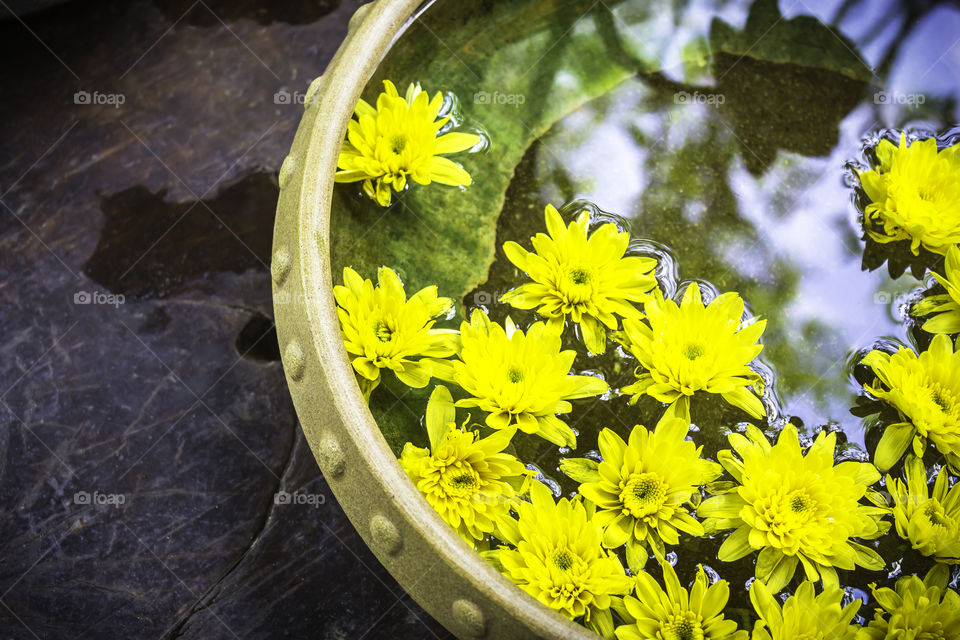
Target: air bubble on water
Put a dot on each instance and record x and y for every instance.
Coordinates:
(570, 211)
(852, 453)
(895, 569)
(668, 268)
(595, 373)
(711, 573)
(484, 143)
(539, 476)
(450, 109)
(623, 354)
(853, 593)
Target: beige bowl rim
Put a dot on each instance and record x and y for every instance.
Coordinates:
(447, 578)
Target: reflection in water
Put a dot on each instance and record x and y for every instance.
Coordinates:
(737, 167)
(786, 236)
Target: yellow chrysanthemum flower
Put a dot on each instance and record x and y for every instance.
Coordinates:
(918, 609)
(519, 378)
(675, 613)
(469, 480)
(794, 509)
(642, 489)
(383, 330)
(915, 195)
(399, 139)
(931, 523)
(946, 306)
(695, 347)
(559, 560)
(585, 278)
(804, 614)
(926, 392)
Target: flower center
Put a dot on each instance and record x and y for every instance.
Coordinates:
(577, 284)
(383, 331)
(643, 494)
(562, 560)
(683, 626)
(460, 480)
(692, 351)
(800, 503)
(579, 276)
(398, 144)
(514, 375)
(936, 514)
(791, 517)
(927, 194)
(943, 398)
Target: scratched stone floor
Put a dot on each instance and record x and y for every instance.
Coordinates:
(145, 425)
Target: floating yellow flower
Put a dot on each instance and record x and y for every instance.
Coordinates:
(931, 523)
(946, 306)
(915, 195)
(926, 392)
(693, 347)
(642, 489)
(585, 278)
(384, 330)
(804, 614)
(918, 609)
(467, 479)
(559, 560)
(675, 613)
(794, 509)
(397, 139)
(520, 379)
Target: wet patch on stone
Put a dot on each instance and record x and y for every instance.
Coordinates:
(257, 341)
(151, 248)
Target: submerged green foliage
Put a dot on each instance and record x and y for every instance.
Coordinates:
(494, 63)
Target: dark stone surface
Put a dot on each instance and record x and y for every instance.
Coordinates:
(145, 424)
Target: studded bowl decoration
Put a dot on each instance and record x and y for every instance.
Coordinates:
(447, 578)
